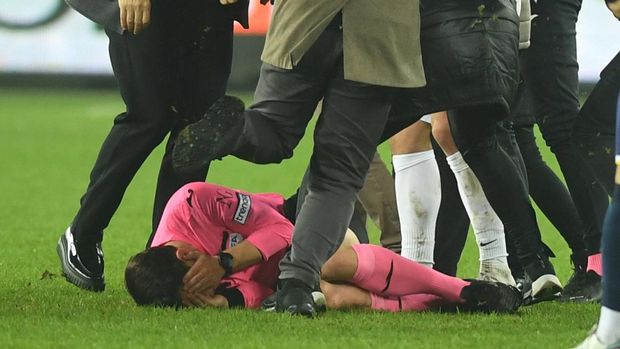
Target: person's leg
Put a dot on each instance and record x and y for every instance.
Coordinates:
(347, 296)
(202, 78)
(487, 226)
(594, 129)
(551, 68)
(418, 191)
(379, 199)
(608, 332)
(551, 195)
(347, 132)
(474, 130)
(270, 129)
(385, 274)
(452, 220)
(608, 329)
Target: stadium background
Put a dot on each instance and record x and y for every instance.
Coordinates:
(57, 102)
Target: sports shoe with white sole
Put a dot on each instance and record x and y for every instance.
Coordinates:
(546, 287)
(72, 267)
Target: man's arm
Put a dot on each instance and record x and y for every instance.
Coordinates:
(207, 272)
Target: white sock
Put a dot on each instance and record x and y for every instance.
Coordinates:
(487, 226)
(418, 196)
(608, 330)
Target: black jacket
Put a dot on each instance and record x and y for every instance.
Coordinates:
(107, 13)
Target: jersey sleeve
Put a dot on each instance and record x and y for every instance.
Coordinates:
(259, 223)
(253, 293)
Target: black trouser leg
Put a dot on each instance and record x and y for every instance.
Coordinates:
(550, 66)
(594, 130)
(452, 220)
(550, 194)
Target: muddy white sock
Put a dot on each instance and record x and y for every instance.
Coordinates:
(418, 196)
(487, 226)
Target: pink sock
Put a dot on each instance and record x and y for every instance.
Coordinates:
(412, 302)
(595, 263)
(385, 273)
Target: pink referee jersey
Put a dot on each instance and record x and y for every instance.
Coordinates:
(213, 218)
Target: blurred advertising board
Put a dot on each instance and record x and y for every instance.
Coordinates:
(45, 37)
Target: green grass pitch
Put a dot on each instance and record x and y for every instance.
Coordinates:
(48, 143)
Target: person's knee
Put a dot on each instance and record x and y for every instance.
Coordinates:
(443, 135)
(341, 266)
(413, 139)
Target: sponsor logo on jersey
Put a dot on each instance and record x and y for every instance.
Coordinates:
(234, 239)
(243, 208)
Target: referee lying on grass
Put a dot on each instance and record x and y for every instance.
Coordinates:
(219, 247)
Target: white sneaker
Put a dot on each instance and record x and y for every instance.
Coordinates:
(496, 272)
(547, 286)
(593, 342)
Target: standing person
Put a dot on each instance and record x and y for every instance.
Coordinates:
(171, 60)
(550, 68)
(352, 54)
(477, 93)
(607, 333)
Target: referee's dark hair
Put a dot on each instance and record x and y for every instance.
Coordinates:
(155, 277)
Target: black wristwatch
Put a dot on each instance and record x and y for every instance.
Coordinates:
(226, 262)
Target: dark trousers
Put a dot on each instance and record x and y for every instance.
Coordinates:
(550, 68)
(550, 194)
(594, 129)
(168, 76)
(353, 116)
(452, 220)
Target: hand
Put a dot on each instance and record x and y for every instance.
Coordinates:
(135, 15)
(204, 275)
(201, 300)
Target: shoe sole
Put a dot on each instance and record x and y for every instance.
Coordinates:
(73, 276)
(200, 143)
(546, 287)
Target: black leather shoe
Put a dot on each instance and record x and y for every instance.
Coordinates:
(490, 297)
(74, 269)
(210, 138)
(295, 298)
